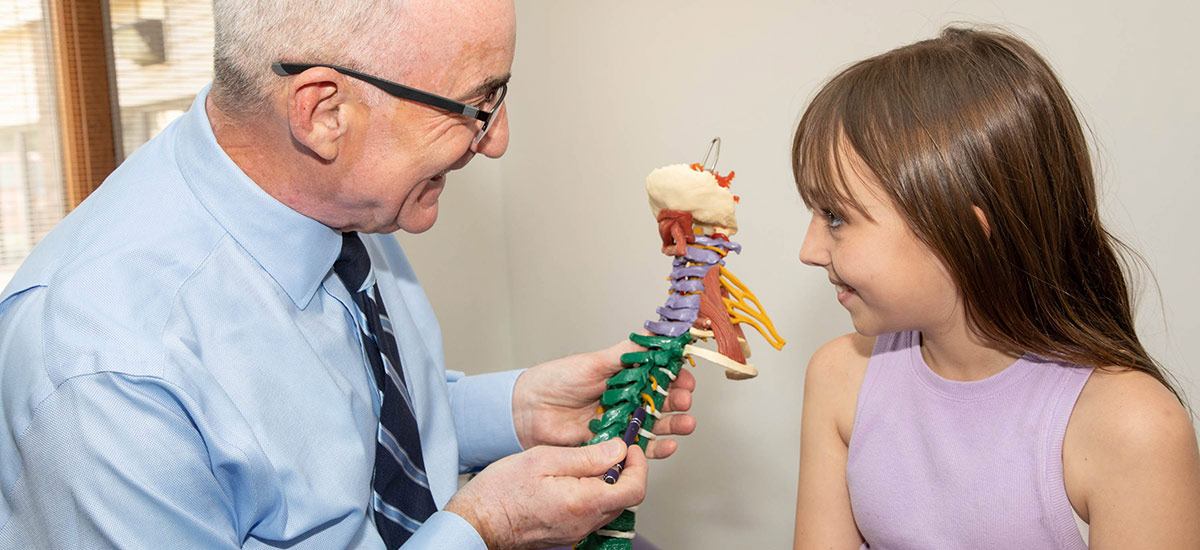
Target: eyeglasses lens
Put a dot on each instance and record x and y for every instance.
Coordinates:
(492, 106)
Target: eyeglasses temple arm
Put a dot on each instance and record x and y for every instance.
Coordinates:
(393, 88)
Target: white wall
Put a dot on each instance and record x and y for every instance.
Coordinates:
(553, 250)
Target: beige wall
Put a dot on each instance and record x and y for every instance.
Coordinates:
(552, 249)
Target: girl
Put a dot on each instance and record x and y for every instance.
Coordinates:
(995, 387)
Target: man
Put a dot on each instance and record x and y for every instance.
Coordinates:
(223, 348)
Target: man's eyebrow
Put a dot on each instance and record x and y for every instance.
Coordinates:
(487, 86)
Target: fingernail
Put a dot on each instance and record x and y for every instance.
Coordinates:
(612, 447)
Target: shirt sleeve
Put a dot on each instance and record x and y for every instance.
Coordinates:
(445, 531)
(109, 460)
(483, 417)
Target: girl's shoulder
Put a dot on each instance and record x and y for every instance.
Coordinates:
(834, 375)
(1127, 406)
(840, 363)
(1127, 431)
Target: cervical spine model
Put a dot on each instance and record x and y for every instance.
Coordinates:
(695, 212)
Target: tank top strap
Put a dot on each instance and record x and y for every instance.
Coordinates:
(885, 352)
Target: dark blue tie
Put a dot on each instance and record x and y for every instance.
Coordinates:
(401, 498)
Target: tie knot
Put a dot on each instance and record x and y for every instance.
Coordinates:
(353, 265)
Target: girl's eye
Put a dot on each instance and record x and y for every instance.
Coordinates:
(832, 219)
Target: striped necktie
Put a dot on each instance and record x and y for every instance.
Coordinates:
(400, 497)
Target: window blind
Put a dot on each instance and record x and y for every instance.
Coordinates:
(31, 180)
(87, 83)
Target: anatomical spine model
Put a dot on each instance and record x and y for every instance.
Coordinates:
(695, 212)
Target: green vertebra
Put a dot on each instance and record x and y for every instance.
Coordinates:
(624, 394)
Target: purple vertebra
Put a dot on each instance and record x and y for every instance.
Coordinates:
(687, 285)
(671, 314)
(690, 271)
(668, 328)
(681, 301)
(703, 256)
(718, 243)
(681, 310)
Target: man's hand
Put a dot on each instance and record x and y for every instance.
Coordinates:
(553, 402)
(550, 496)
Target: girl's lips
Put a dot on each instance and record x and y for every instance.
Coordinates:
(844, 292)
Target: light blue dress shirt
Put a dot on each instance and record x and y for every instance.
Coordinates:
(179, 369)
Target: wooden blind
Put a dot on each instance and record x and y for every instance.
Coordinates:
(84, 95)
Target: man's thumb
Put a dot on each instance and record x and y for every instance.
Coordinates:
(588, 461)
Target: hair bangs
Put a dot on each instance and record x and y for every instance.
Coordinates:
(820, 153)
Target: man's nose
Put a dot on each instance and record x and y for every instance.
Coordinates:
(495, 141)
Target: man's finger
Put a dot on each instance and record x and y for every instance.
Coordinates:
(685, 380)
(675, 424)
(678, 400)
(587, 461)
(571, 435)
(661, 448)
(630, 489)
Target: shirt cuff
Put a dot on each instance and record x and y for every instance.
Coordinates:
(445, 530)
(483, 417)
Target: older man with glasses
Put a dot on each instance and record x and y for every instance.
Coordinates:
(224, 348)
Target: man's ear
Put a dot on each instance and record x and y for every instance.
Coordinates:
(319, 111)
(983, 221)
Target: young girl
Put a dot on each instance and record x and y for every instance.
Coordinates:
(995, 387)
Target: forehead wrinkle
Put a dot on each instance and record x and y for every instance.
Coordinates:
(456, 52)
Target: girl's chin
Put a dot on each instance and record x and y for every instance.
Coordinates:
(865, 329)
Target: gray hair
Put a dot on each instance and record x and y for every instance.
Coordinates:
(249, 35)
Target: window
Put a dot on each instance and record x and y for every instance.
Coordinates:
(162, 53)
(59, 136)
(31, 189)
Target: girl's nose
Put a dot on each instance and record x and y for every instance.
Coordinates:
(814, 251)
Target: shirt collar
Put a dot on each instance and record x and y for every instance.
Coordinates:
(295, 250)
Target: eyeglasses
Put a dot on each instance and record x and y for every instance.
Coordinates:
(485, 112)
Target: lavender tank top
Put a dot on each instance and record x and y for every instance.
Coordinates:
(935, 463)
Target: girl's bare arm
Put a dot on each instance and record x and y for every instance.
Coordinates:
(823, 516)
(1131, 464)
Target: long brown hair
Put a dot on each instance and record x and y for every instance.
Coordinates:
(976, 118)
